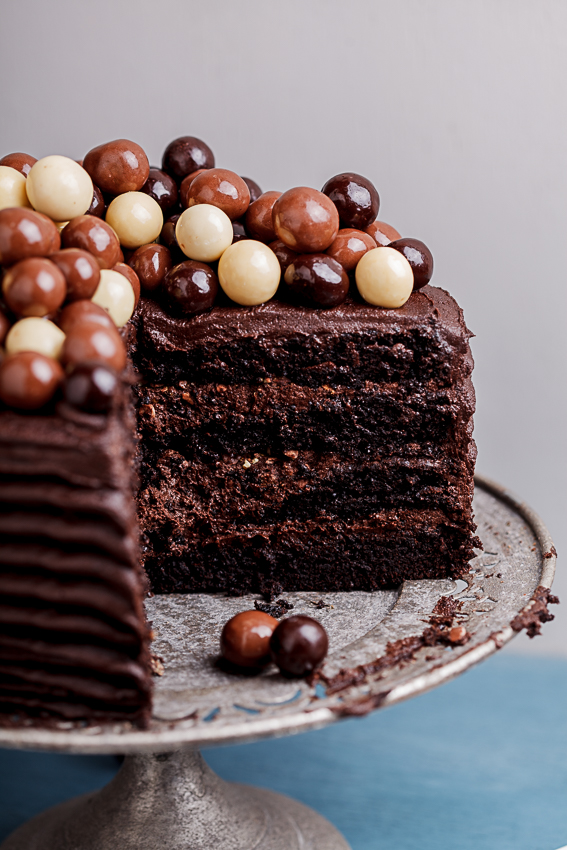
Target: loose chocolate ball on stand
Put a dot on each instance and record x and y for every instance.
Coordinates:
(355, 198)
(298, 645)
(151, 263)
(162, 188)
(190, 288)
(186, 154)
(419, 257)
(34, 287)
(382, 233)
(318, 280)
(80, 270)
(245, 639)
(305, 220)
(22, 162)
(95, 236)
(258, 220)
(28, 380)
(220, 188)
(26, 233)
(117, 166)
(90, 387)
(349, 246)
(253, 188)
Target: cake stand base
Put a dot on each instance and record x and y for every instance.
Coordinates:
(174, 801)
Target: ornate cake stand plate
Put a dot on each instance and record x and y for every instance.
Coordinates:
(166, 798)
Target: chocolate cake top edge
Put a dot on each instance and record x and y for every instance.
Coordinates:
(276, 319)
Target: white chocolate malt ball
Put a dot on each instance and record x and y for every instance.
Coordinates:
(204, 232)
(114, 294)
(12, 188)
(249, 272)
(59, 187)
(384, 277)
(136, 218)
(33, 334)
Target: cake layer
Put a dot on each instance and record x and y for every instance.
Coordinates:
(425, 340)
(315, 555)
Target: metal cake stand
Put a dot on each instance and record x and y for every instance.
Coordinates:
(166, 798)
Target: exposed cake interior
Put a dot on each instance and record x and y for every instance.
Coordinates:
(305, 449)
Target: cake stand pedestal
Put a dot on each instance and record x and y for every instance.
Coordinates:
(166, 798)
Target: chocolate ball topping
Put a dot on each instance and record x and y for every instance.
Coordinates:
(90, 387)
(22, 162)
(190, 288)
(258, 221)
(253, 188)
(26, 233)
(298, 645)
(305, 220)
(382, 233)
(245, 639)
(80, 270)
(95, 236)
(419, 257)
(28, 380)
(162, 188)
(355, 198)
(151, 263)
(349, 246)
(118, 166)
(34, 287)
(186, 154)
(221, 188)
(98, 206)
(318, 280)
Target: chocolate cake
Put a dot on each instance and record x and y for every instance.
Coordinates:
(304, 409)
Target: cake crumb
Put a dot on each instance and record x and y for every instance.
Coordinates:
(246, 464)
(291, 453)
(156, 665)
(275, 609)
(320, 604)
(148, 410)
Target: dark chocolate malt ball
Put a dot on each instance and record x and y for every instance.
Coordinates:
(26, 233)
(298, 645)
(284, 254)
(253, 188)
(151, 263)
(239, 232)
(94, 235)
(186, 154)
(5, 326)
(162, 188)
(80, 270)
(419, 257)
(22, 162)
(90, 387)
(382, 233)
(190, 288)
(34, 287)
(355, 198)
(258, 218)
(118, 166)
(305, 220)
(349, 246)
(221, 188)
(98, 206)
(318, 279)
(245, 639)
(28, 380)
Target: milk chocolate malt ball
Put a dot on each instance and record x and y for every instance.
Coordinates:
(26, 233)
(12, 188)
(249, 272)
(186, 185)
(84, 312)
(34, 287)
(298, 645)
(203, 232)
(58, 187)
(80, 270)
(382, 233)
(162, 188)
(355, 198)
(419, 257)
(90, 342)
(34, 334)
(151, 263)
(118, 166)
(22, 162)
(384, 278)
(186, 154)
(95, 236)
(349, 246)
(305, 220)
(221, 188)
(190, 288)
(318, 280)
(28, 380)
(245, 639)
(90, 387)
(258, 220)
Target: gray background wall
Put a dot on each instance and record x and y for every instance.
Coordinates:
(454, 108)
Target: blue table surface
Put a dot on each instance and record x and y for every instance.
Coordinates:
(479, 763)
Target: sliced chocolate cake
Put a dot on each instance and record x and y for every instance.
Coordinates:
(305, 449)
